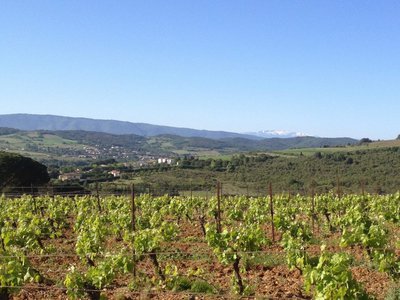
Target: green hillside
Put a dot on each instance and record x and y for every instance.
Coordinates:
(77, 145)
(373, 170)
(244, 166)
(347, 148)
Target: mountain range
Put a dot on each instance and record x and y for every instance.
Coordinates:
(56, 136)
(51, 122)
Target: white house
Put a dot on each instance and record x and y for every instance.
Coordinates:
(167, 161)
(69, 176)
(115, 173)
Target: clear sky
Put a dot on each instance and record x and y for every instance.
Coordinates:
(327, 68)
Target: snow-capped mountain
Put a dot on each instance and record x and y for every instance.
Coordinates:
(277, 134)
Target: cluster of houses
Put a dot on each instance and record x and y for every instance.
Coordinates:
(167, 161)
(77, 174)
(72, 176)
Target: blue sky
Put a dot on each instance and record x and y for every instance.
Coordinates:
(327, 68)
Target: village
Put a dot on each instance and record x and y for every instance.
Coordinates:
(110, 169)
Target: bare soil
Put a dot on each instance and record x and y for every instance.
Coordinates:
(271, 280)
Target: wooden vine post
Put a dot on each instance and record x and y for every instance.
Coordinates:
(362, 183)
(271, 205)
(312, 208)
(133, 225)
(339, 192)
(98, 197)
(219, 188)
(34, 199)
(363, 202)
(191, 190)
(52, 193)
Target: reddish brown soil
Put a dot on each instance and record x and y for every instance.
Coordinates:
(374, 282)
(274, 281)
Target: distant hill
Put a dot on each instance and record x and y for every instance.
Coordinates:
(66, 145)
(51, 122)
(242, 144)
(6, 131)
(168, 142)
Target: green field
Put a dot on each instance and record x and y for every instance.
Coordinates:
(363, 147)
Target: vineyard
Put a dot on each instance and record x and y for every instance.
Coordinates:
(143, 247)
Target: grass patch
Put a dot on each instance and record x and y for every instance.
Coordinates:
(263, 259)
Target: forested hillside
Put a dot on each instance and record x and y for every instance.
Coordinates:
(17, 170)
(375, 171)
